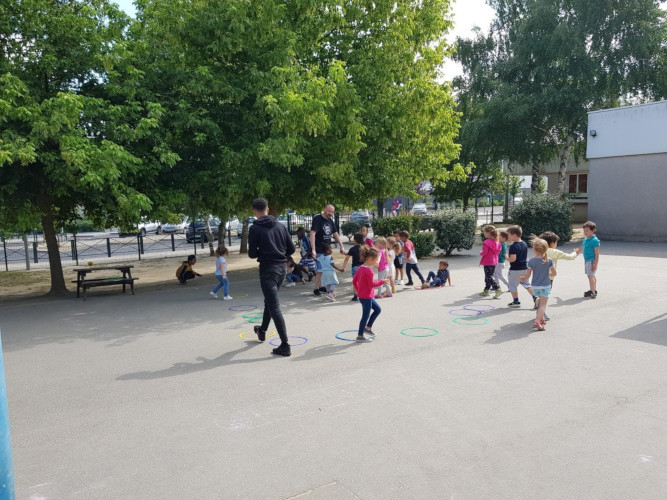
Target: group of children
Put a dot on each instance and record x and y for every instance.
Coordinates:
(536, 274)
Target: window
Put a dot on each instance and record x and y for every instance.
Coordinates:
(578, 183)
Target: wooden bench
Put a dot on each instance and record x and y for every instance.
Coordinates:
(82, 282)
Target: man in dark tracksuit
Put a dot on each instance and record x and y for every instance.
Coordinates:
(270, 243)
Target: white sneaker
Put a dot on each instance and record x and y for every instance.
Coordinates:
(290, 284)
(213, 294)
(398, 282)
(227, 297)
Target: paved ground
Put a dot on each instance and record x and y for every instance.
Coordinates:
(156, 396)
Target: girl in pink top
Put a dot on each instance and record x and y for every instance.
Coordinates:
(490, 251)
(383, 267)
(364, 286)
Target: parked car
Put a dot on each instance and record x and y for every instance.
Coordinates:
(419, 209)
(360, 216)
(179, 227)
(239, 229)
(295, 222)
(197, 230)
(143, 228)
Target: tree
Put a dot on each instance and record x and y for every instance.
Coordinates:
(70, 129)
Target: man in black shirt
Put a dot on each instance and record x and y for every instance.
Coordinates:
(270, 243)
(322, 232)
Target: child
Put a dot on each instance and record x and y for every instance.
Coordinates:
(517, 256)
(555, 255)
(441, 277)
(367, 240)
(306, 254)
(391, 259)
(498, 274)
(541, 267)
(591, 248)
(398, 260)
(221, 273)
(364, 286)
(383, 268)
(353, 253)
(294, 273)
(490, 250)
(185, 271)
(411, 258)
(329, 278)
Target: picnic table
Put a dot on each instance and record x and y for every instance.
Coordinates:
(85, 283)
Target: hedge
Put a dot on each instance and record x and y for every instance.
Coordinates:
(350, 227)
(424, 243)
(387, 225)
(454, 229)
(544, 212)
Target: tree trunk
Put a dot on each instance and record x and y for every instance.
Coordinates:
(464, 203)
(562, 170)
(58, 287)
(244, 236)
(535, 180)
(209, 236)
(380, 206)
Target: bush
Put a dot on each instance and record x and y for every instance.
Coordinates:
(424, 243)
(387, 225)
(350, 227)
(455, 230)
(544, 212)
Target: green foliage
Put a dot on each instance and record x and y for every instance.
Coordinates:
(83, 226)
(455, 230)
(424, 243)
(543, 212)
(350, 227)
(387, 225)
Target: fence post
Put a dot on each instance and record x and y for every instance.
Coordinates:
(25, 250)
(173, 243)
(4, 247)
(139, 245)
(109, 247)
(34, 251)
(75, 249)
(6, 466)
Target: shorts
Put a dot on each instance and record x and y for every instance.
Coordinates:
(398, 262)
(588, 268)
(541, 291)
(513, 280)
(354, 270)
(309, 263)
(318, 266)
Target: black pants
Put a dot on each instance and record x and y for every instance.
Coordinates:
(489, 281)
(186, 275)
(413, 267)
(270, 279)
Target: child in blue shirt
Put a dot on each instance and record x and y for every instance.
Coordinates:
(517, 256)
(439, 278)
(591, 249)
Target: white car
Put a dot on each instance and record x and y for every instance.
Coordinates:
(419, 209)
(178, 228)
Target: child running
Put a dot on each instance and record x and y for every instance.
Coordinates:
(364, 286)
(353, 253)
(411, 258)
(398, 260)
(383, 268)
(502, 256)
(439, 278)
(221, 273)
(329, 278)
(517, 255)
(490, 250)
(554, 254)
(540, 267)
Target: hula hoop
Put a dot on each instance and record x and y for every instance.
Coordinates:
(255, 320)
(269, 333)
(471, 307)
(484, 321)
(240, 295)
(252, 315)
(453, 313)
(243, 308)
(432, 330)
(339, 337)
(271, 342)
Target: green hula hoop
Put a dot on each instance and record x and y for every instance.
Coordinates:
(432, 330)
(255, 320)
(252, 315)
(484, 321)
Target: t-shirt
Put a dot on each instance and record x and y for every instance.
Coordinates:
(220, 262)
(324, 229)
(442, 275)
(354, 253)
(503, 252)
(410, 254)
(325, 262)
(305, 246)
(369, 242)
(520, 249)
(540, 271)
(382, 263)
(589, 245)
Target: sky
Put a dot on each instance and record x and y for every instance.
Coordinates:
(467, 15)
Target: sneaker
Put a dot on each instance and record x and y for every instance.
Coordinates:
(290, 284)
(363, 339)
(331, 297)
(485, 293)
(409, 283)
(546, 318)
(389, 295)
(213, 294)
(317, 292)
(588, 293)
(370, 333)
(398, 282)
(594, 295)
(393, 290)
(539, 326)
(514, 304)
(261, 336)
(227, 297)
(323, 289)
(497, 293)
(282, 350)
(354, 298)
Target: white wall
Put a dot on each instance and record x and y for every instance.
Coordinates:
(627, 131)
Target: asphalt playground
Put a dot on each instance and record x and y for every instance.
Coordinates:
(157, 395)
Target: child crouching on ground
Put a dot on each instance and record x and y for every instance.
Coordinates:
(364, 286)
(540, 267)
(441, 277)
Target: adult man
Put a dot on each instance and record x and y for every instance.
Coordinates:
(321, 233)
(270, 243)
